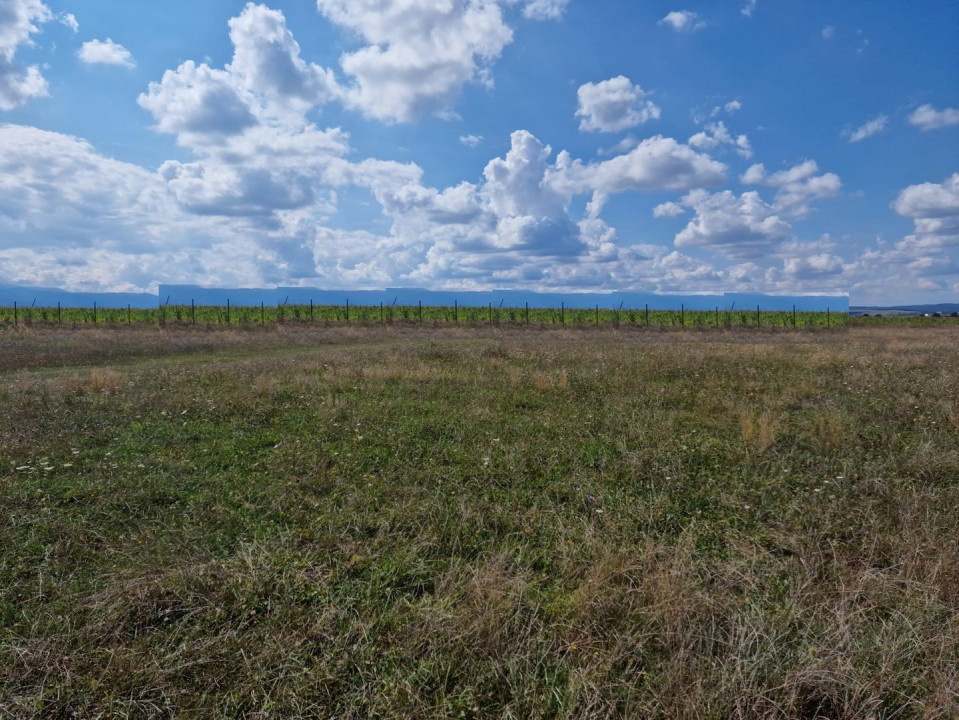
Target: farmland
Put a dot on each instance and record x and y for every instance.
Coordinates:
(367, 315)
(450, 520)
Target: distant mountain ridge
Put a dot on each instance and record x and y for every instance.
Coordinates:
(49, 297)
(944, 308)
(185, 294)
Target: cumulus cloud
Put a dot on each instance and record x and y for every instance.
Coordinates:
(716, 134)
(266, 61)
(738, 226)
(797, 187)
(419, 53)
(258, 154)
(870, 128)
(19, 20)
(683, 21)
(749, 8)
(733, 106)
(614, 105)
(668, 210)
(105, 52)
(657, 163)
(471, 141)
(934, 208)
(926, 118)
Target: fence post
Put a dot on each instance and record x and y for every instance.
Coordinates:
(94, 312)
(794, 316)
(827, 317)
(347, 311)
(16, 319)
(682, 314)
(59, 314)
(193, 311)
(527, 312)
(758, 318)
(456, 311)
(491, 314)
(263, 313)
(647, 314)
(597, 314)
(382, 316)
(420, 304)
(311, 309)
(562, 312)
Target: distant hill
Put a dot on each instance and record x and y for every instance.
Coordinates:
(49, 297)
(944, 308)
(185, 294)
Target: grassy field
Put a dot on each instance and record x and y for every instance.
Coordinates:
(310, 522)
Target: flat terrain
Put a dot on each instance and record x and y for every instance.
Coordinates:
(478, 523)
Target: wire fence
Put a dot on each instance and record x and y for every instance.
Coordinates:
(347, 314)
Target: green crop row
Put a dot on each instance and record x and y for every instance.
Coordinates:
(342, 314)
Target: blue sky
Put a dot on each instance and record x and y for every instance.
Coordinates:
(558, 145)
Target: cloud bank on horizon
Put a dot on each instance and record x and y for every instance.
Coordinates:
(550, 145)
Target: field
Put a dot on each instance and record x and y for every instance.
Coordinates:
(347, 315)
(418, 521)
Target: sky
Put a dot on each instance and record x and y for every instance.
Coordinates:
(779, 146)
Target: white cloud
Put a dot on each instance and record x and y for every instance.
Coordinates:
(749, 8)
(266, 61)
(828, 32)
(668, 210)
(623, 146)
(683, 21)
(544, 9)
(657, 163)
(733, 106)
(198, 103)
(471, 140)
(19, 20)
(105, 52)
(70, 20)
(872, 127)
(926, 117)
(796, 187)
(419, 53)
(614, 105)
(716, 134)
(743, 226)
(934, 209)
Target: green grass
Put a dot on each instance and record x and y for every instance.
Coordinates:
(181, 315)
(413, 522)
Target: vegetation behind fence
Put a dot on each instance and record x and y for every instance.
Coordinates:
(208, 315)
